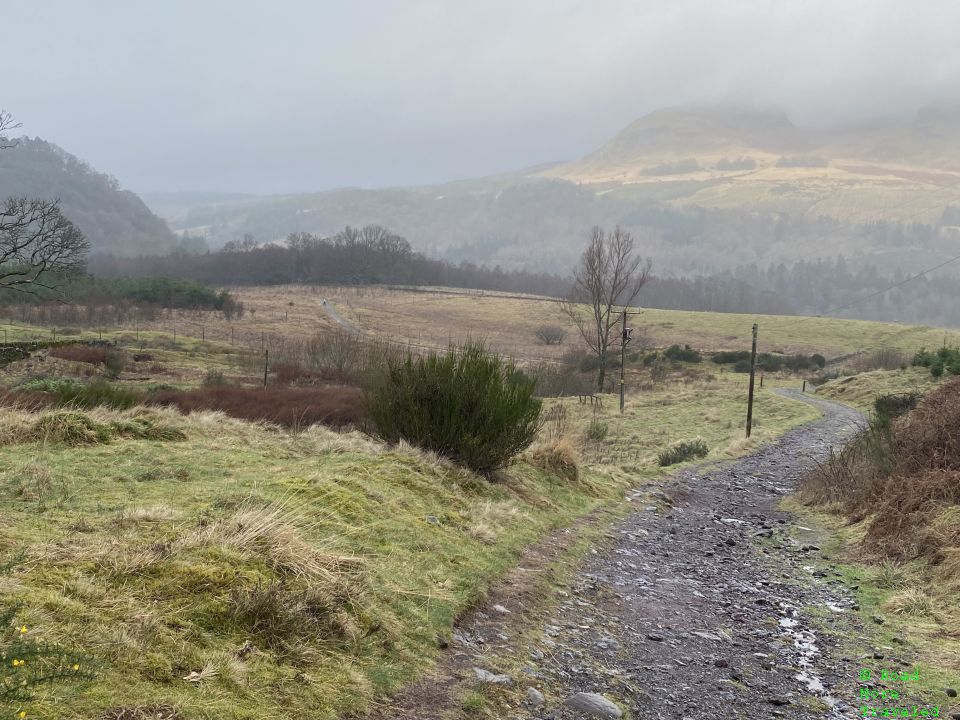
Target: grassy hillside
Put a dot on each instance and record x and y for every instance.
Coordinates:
(739, 159)
(214, 568)
(509, 323)
(703, 188)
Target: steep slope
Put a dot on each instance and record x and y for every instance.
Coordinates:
(114, 220)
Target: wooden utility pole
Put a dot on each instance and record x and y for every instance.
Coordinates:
(753, 368)
(623, 355)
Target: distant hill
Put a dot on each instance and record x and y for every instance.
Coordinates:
(760, 161)
(705, 189)
(113, 220)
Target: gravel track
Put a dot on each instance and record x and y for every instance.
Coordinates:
(696, 609)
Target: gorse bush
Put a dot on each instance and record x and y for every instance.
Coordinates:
(466, 405)
(730, 356)
(770, 362)
(25, 663)
(682, 354)
(683, 451)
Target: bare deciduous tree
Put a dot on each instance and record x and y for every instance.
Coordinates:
(37, 242)
(608, 276)
(6, 123)
(550, 334)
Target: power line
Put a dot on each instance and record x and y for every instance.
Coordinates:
(877, 293)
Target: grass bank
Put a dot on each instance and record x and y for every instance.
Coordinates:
(227, 569)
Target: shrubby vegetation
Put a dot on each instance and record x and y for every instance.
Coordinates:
(944, 360)
(903, 477)
(467, 405)
(770, 362)
(682, 354)
(683, 451)
(73, 393)
(26, 664)
(680, 167)
(161, 292)
(740, 163)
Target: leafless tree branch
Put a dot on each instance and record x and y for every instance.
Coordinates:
(6, 123)
(37, 243)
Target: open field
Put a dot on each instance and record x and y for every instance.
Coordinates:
(508, 325)
(248, 571)
(432, 318)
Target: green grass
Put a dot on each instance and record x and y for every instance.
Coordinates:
(713, 408)
(861, 390)
(926, 629)
(132, 559)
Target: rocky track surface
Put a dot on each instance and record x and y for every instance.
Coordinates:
(701, 606)
(708, 601)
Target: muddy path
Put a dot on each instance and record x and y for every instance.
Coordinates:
(702, 604)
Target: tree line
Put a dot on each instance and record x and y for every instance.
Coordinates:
(354, 256)
(375, 255)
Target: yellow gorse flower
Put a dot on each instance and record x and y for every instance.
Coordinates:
(76, 667)
(23, 630)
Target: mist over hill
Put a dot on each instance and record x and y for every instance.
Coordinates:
(114, 220)
(706, 190)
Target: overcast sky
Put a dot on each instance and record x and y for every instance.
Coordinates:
(284, 96)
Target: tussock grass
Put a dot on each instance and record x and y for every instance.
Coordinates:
(558, 457)
(912, 601)
(274, 534)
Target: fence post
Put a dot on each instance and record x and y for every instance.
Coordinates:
(266, 362)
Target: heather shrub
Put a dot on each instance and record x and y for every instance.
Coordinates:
(467, 405)
(334, 405)
(80, 353)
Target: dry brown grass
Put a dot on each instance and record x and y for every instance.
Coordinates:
(558, 457)
(275, 534)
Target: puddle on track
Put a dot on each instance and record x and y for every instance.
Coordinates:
(805, 645)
